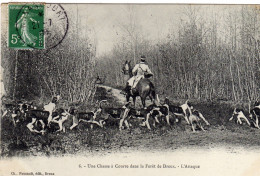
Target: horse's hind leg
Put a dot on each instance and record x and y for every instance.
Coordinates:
(127, 97)
(143, 101)
(151, 98)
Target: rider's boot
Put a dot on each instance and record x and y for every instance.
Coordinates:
(126, 89)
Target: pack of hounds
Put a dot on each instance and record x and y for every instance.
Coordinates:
(40, 120)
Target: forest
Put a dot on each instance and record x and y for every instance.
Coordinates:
(207, 54)
(204, 57)
(67, 70)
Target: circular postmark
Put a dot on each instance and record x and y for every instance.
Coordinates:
(42, 34)
(56, 25)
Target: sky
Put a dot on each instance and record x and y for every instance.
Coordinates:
(154, 21)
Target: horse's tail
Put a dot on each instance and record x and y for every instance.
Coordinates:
(152, 90)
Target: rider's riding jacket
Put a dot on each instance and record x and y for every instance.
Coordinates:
(139, 71)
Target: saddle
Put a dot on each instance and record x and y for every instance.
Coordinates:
(133, 91)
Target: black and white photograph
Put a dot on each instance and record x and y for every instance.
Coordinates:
(130, 89)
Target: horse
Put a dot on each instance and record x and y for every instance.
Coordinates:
(144, 87)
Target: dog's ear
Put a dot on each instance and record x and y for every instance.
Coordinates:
(54, 100)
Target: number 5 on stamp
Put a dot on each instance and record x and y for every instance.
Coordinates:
(26, 26)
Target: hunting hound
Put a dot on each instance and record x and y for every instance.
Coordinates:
(254, 116)
(59, 117)
(87, 117)
(183, 110)
(195, 120)
(140, 114)
(42, 116)
(51, 107)
(17, 111)
(115, 115)
(238, 114)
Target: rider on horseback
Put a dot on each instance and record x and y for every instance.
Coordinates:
(140, 71)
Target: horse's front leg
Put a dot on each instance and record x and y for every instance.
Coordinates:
(127, 97)
(143, 101)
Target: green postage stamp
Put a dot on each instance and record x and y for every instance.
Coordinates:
(26, 26)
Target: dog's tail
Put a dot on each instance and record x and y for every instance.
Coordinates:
(158, 100)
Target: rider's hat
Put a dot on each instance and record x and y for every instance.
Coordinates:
(143, 58)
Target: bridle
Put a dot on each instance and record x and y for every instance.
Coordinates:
(126, 68)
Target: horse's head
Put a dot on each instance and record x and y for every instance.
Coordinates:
(127, 67)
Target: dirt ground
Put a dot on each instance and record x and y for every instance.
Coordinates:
(82, 140)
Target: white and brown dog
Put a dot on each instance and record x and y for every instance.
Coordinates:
(143, 114)
(87, 117)
(154, 113)
(35, 116)
(199, 114)
(59, 117)
(254, 116)
(18, 111)
(186, 108)
(238, 114)
(183, 110)
(51, 107)
(195, 119)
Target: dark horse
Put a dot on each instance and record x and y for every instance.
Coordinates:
(144, 87)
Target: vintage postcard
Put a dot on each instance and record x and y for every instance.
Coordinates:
(130, 89)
